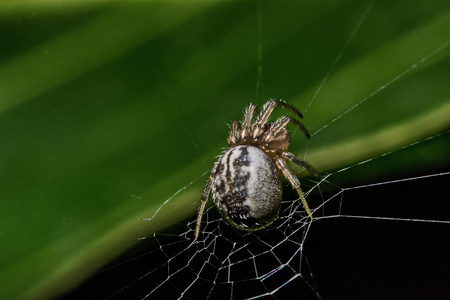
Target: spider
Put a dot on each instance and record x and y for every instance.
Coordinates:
(245, 181)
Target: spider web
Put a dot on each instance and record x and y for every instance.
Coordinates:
(384, 238)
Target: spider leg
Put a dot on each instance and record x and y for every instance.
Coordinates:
(281, 164)
(282, 122)
(267, 111)
(234, 133)
(291, 157)
(201, 209)
(263, 117)
(269, 107)
(288, 106)
(246, 123)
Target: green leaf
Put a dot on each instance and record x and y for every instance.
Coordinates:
(110, 110)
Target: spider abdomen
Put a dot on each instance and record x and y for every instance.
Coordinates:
(246, 188)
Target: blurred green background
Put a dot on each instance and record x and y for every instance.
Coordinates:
(109, 109)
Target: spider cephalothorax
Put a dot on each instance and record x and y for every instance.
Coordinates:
(245, 180)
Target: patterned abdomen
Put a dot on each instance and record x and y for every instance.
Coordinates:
(246, 188)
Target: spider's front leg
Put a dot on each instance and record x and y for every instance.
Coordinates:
(281, 164)
(282, 122)
(270, 106)
(247, 122)
(234, 133)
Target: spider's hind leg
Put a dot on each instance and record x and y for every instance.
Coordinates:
(281, 164)
(305, 165)
(201, 209)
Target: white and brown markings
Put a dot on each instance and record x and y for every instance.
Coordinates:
(245, 181)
